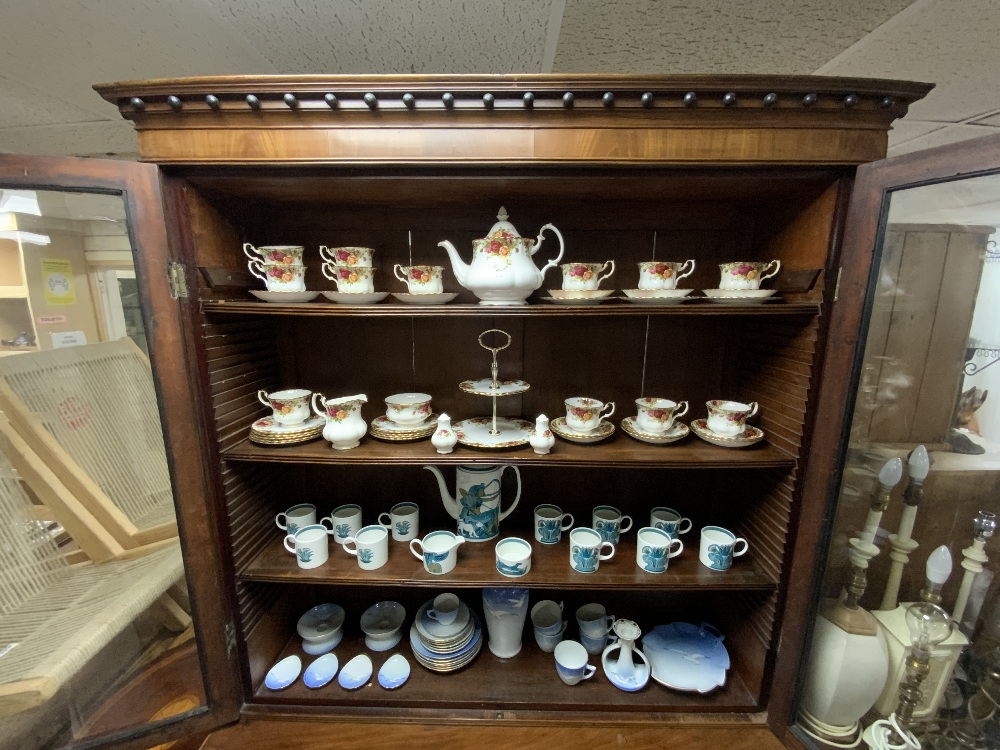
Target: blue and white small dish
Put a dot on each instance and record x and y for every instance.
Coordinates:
(513, 557)
(284, 673)
(321, 671)
(394, 672)
(689, 657)
(356, 672)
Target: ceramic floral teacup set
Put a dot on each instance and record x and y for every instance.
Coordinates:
(351, 269)
(281, 269)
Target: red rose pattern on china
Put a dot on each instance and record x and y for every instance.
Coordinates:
(745, 270)
(580, 271)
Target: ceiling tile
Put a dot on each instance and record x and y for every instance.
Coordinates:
(712, 36)
(907, 129)
(953, 44)
(942, 137)
(389, 36)
(104, 138)
(993, 120)
(22, 105)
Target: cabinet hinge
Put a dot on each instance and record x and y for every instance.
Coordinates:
(178, 281)
(230, 637)
(836, 288)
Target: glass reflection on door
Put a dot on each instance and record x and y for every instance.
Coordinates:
(95, 626)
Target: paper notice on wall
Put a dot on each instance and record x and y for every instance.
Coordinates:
(57, 280)
(68, 338)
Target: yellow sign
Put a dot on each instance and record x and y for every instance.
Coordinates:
(57, 280)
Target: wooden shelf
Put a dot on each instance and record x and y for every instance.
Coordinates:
(476, 567)
(248, 307)
(526, 682)
(617, 451)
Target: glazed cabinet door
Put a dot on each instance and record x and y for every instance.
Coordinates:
(114, 628)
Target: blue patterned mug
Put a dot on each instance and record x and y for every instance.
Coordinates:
(585, 547)
(403, 520)
(718, 547)
(310, 545)
(297, 517)
(370, 546)
(654, 548)
(670, 521)
(550, 523)
(346, 522)
(610, 523)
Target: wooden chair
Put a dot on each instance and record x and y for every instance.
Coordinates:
(90, 414)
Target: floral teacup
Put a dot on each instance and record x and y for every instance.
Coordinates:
(347, 256)
(408, 409)
(585, 414)
(289, 406)
(420, 279)
(659, 274)
(585, 276)
(656, 415)
(279, 277)
(729, 418)
(351, 279)
(746, 274)
(289, 255)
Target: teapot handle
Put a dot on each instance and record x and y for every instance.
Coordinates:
(505, 513)
(555, 261)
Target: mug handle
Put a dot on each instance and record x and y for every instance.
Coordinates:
(396, 269)
(262, 397)
(589, 671)
(325, 254)
(563, 628)
(325, 269)
(606, 275)
(292, 548)
(690, 269)
(602, 415)
(680, 547)
(681, 523)
(753, 409)
(278, 523)
(517, 496)
(350, 551)
(386, 524)
(318, 412)
(736, 544)
(777, 267)
(256, 268)
(607, 556)
(419, 555)
(567, 527)
(621, 521)
(322, 522)
(679, 414)
(250, 251)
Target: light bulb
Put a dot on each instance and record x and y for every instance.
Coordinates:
(891, 472)
(929, 625)
(939, 565)
(919, 463)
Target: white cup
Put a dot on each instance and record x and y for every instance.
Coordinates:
(585, 276)
(596, 644)
(654, 548)
(403, 519)
(670, 521)
(438, 550)
(547, 642)
(297, 517)
(593, 620)
(420, 279)
(346, 521)
(656, 415)
(289, 255)
(371, 547)
(610, 523)
(585, 414)
(546, 617)
(729, 418)
(444, 608)
(513, 557)
(744, 274)
(278, 277)
(347, 256)
(550, 523)
(585, 547)
(718, 548)
(351, 279)
(408, 409)
(571, 662)
(660, 274)
(310, 545)
(289, 406)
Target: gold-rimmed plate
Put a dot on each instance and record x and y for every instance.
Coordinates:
(604, 430)
(476, 432)
(677, 431)
(749, 437)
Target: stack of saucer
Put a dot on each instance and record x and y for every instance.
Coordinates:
(446, 648)
(266, 431)
(384, 428)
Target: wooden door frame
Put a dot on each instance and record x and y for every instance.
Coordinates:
(170, 348)
(837, 388)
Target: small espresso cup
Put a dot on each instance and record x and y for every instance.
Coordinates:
(610, 523)
(444, 608)
(351, 279)
(743, 274)
(654, 548)
(297, 517)
(585, 547)
(656, 415)
(585, 276)
(346, 521)
(670, 521)
(718, 547)
(279, 277)
(513, 557)
(729, 418)
(289, 406)
(571, 662)
(347, 256)
(438, 550)
(403, 519)
(546, 617)
(593, 620)
(659, 274)
(585, 414)
(310, 545)
(370, 545)
(550, 523)
(289, 255)
(408, 409)
(420, 279)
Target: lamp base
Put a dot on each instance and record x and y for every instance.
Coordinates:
(840, 736)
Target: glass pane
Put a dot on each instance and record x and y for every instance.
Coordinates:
(95, 630)
(929, 378)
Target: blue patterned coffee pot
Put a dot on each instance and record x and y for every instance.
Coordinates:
(477, 504)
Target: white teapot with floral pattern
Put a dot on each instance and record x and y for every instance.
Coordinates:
(502, 271)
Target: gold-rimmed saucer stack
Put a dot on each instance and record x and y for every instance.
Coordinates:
(385, 429)
(446, 648)
(265, 431)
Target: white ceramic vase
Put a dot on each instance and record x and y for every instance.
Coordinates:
(505, 610)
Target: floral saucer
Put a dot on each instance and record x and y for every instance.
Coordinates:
(676, 432)
(657, 296)
(484, 387)
(355, 298)
(267, 432)
(750, 436)
(578, 296)
(475, 432)
(442, 298)
(604, 430)
(740, 296)
(384, 428)
(287, 297)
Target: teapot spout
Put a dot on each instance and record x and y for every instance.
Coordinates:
(449, 502)
(458, 266)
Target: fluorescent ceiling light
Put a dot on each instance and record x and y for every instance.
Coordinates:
(29, 238)
(20, 201)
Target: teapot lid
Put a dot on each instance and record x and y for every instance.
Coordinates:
(503, 226)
